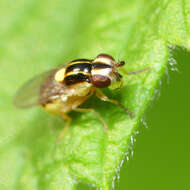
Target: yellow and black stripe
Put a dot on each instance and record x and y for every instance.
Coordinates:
(80, 70)
(77, 71)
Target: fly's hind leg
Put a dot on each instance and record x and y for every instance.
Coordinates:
(68, 119)
(92, 111)
(103, 97)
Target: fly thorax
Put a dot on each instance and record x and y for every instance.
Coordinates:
(78, 71)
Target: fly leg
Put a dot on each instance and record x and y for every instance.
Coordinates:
(137, 72)
(132, 73)
(103, 97)
(90, 94)
(68, 119)
(92, 111)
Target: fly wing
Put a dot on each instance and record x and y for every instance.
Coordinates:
(39, 90)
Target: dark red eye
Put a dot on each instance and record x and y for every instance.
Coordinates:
(100, 81)
(103, 55)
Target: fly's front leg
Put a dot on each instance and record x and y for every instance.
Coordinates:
(92, 111)
(86, 97)
(137, 72)
(68, 119)
(103, 97)
(90, 94)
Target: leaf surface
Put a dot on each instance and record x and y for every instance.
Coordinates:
(39, 35)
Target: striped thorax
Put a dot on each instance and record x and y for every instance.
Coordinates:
(100, 72)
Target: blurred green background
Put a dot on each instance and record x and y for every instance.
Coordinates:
(162, 152)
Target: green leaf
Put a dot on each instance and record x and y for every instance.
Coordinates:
(39, 35)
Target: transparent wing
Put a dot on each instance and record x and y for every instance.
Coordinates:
(38, 90)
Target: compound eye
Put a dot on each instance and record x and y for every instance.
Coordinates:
(100, 81)
(106, 56)
(104, 59)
